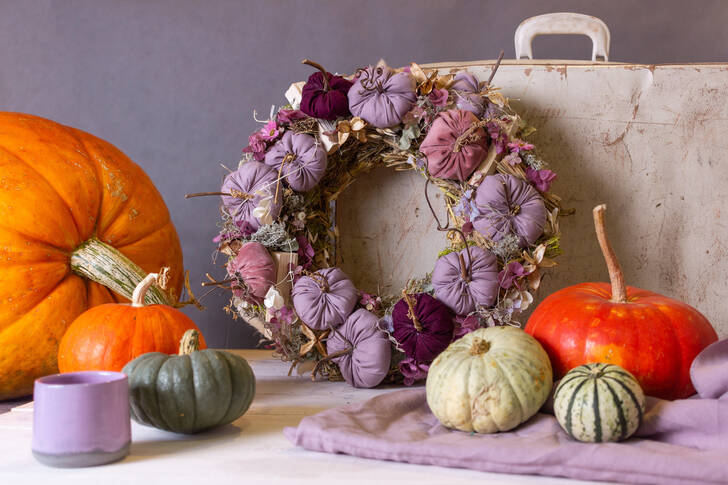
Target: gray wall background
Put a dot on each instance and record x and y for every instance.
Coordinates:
(174, 83)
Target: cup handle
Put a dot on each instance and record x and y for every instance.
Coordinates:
(563, 23)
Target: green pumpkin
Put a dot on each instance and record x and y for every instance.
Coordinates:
(599, 402)
(190, 392)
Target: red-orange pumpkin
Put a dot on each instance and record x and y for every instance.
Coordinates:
(654, 337)
(107, 337)
(80, 225)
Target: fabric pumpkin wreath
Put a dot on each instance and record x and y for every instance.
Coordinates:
(454, 129)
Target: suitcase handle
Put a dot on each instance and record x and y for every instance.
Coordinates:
(563, 23)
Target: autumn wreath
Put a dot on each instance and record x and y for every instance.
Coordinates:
(279, 235)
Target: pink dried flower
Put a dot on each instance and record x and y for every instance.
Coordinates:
(499, 137)
(467, 228)
(370, 302)
(511, 274)
(256, 145)
(413, 371)
(512, 159)
(541, 179)
(518, 146)
(288, 116)
(270, 131)
(465, 324)
(438, 97)
(305, 251)
(414, 116)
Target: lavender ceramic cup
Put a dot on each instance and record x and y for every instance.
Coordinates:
(81, 418)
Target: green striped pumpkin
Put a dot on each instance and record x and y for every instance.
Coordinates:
(599, 402)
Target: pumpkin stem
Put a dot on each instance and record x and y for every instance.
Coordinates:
(106, 265)
(140, 292)
(479, 347)
(319, 279)
(319, 364)
(616, 276)
(324, 74)
(463, 268)
(411, 312)
(468, 136)
(190, 342)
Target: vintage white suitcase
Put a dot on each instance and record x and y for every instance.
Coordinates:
(648, 140)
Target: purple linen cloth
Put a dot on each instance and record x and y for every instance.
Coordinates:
(679, 442)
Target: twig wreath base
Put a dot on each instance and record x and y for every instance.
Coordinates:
(461, 136)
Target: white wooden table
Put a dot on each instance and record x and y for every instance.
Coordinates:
(251, 450)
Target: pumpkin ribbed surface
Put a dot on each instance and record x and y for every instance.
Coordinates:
(490, 380)
(599, 402)
(59, 188)
(189, 393)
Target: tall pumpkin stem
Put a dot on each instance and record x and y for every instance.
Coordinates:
(616, 276)
(190, 342)
(106, 265)
(140, 292)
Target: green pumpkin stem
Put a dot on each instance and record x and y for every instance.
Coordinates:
(324, 74)
(106, 265)
(190, 342)
(616, 276)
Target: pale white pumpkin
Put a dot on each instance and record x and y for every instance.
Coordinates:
(490, 380)
(599, 402)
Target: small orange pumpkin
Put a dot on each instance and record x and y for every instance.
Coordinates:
(108, 336)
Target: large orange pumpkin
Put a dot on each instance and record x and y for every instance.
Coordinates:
(107, 337)
(74, 213)
(654, 337)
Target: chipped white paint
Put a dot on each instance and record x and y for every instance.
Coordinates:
(650, 141)
(563, 23)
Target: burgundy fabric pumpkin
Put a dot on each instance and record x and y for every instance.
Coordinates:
(466, 91)
(368, 363)
(325, 95)
(462, 289)
(508, 204)
(255, 266)
(303, 159)
(326, 297)
(382, 97)
(249, 185)
(451, 152)
(429, 333)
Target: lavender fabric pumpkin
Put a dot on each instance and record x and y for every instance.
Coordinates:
(325, 95)
(508, 205)
(368, 362)
(451, 152)
(429, 333)
(466, 91)
(382, 97)
(303, 159)
(324, 298)
(462, 289)
(252, 183)
(254, 265)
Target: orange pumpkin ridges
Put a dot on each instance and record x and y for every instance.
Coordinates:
(66, 195)
(107, 337)
(654, 337)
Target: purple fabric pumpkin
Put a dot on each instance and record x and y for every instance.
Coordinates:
(368, 363)
(254, 265)
(382, 97)
(462, 293)
(249, 185)
(451, 153)
(507, 205)
(303, 159)
(429, 333)
(466, 91)
(325, 95)
(324, 298)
